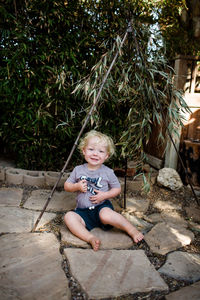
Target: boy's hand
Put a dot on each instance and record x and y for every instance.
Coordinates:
(82, 185)
(98, 198)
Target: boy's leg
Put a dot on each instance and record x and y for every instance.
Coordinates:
(109, 216)
(77, 226)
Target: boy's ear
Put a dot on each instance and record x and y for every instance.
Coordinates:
(107, 156)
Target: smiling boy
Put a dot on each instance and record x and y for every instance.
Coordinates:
(95, 184)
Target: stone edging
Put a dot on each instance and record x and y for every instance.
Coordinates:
(31, 178)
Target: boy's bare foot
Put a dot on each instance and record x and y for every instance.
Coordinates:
(95, 243)
(137, 236)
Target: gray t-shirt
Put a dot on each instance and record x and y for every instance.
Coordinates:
(101, 179)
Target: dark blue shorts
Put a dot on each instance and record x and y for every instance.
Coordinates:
(91, 216)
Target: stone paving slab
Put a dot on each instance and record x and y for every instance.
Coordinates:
(141, 225)
(166, 205)
(112, 239)
(164, 238)
(30, 268)
(14, 219)
(168, 217)
(113, 273)
(61, 201)
(10, 196)
(182, 266)
(137, 204)
(191, 292)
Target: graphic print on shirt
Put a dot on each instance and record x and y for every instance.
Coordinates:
(95, 181)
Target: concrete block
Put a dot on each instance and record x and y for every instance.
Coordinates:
(52, 177)
(14, 176)
(34, 178)
(2, 174)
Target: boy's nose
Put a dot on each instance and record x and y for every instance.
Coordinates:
(95, 152)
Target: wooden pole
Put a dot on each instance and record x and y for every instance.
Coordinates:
(125, 182)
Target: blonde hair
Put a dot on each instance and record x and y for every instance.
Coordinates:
(103, 137)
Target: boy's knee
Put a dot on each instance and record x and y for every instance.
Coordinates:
(104, 215)
(71, 218)
(68, 216)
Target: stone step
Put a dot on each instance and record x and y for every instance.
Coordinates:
(30, 268)
(14, 219)
(166, 237)
(112, 239)
(60, 202)
(191, 292)
(10, 196)
(113, 273)
(182, 266)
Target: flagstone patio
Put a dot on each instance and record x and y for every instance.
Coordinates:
(33, 265)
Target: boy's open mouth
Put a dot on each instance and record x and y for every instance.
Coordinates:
(95, 159)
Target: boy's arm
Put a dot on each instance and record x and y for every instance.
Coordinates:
(80, 186)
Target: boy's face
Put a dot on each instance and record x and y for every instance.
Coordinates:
(95, 152)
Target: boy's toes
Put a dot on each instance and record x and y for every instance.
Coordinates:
(95, 243)
(138, 237)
